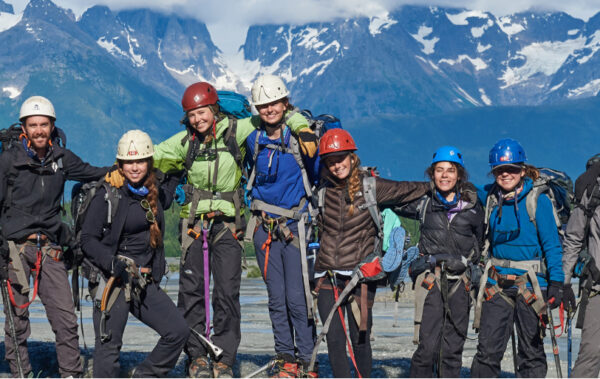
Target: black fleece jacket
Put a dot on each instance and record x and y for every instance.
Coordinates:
(125, 235)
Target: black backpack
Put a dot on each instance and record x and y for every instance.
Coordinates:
(81, 197)
(10, 137)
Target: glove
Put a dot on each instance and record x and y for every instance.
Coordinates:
(586, 181)
(308, 142)
(119, 269)
(569, 298)
(114, 177)
(555, 290)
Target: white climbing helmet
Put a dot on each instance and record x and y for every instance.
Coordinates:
(37, 106)
(268, 88)
(135, 145)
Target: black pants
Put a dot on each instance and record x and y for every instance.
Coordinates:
(497, 318)
(436, 333)
(154, 309)
(336, 336)
(225, 263)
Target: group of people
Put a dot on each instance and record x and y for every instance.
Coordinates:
(302, 189)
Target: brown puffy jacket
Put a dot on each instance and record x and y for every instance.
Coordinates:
(347, 239)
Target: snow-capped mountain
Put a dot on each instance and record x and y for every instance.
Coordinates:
(413, 68)
(419, 60)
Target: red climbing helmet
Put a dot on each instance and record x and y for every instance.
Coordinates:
(335, 141)
(198, 95)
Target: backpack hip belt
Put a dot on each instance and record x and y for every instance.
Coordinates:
(535, 299)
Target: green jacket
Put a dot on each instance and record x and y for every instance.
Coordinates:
(169, 157)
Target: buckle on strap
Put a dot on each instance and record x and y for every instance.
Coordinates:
(528, 296)
(55, 253)
(428, 283)
(490, 292)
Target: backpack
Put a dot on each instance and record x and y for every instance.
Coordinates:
(233, 104)
(557, 185)
(10, 137)
(321, 123)
(81, 198)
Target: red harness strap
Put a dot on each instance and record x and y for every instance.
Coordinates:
(335, 293)
(38, 264)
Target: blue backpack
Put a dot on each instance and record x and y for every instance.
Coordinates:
(234, 104)
(321, 123)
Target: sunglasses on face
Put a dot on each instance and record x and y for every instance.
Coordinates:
(507, 169)
(149, 214)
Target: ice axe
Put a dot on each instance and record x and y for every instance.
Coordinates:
(553, 338)
(261, 369)
(214, 349)
(11, 324)
(104, 335)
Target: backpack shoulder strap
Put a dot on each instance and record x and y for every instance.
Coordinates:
(190, 156)
(111, 197)
(422, 209)
(295, 147)
(369, 193)
(540, 186)
(231, 142)
(254, 157)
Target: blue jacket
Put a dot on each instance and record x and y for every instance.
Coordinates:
(528, 243)
(278, 178)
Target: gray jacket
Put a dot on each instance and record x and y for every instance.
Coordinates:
(575, 234)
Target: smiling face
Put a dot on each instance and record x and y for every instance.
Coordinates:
(445, 176)
(508, 177)
(38, 130)
(339, 165)
(272, 113)
(201, 119)
(135, 171)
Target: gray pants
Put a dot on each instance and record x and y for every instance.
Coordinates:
(55, 293)
(588, 360)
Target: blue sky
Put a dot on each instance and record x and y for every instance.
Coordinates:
(228, 20)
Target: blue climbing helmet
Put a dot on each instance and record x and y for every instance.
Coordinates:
(447, 154)
(507, 151)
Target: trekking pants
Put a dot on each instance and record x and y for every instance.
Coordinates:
(336, 336)
(587, 364)
(436, 333)
(225, 264)
(287, 304)
(55, 293)
(497, 318)
(154, 309)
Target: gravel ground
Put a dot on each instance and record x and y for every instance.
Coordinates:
(392, 338)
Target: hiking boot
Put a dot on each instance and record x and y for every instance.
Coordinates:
(200, 368)
(222, 370)
(303, 369)
(289, 370)
(284, 366)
